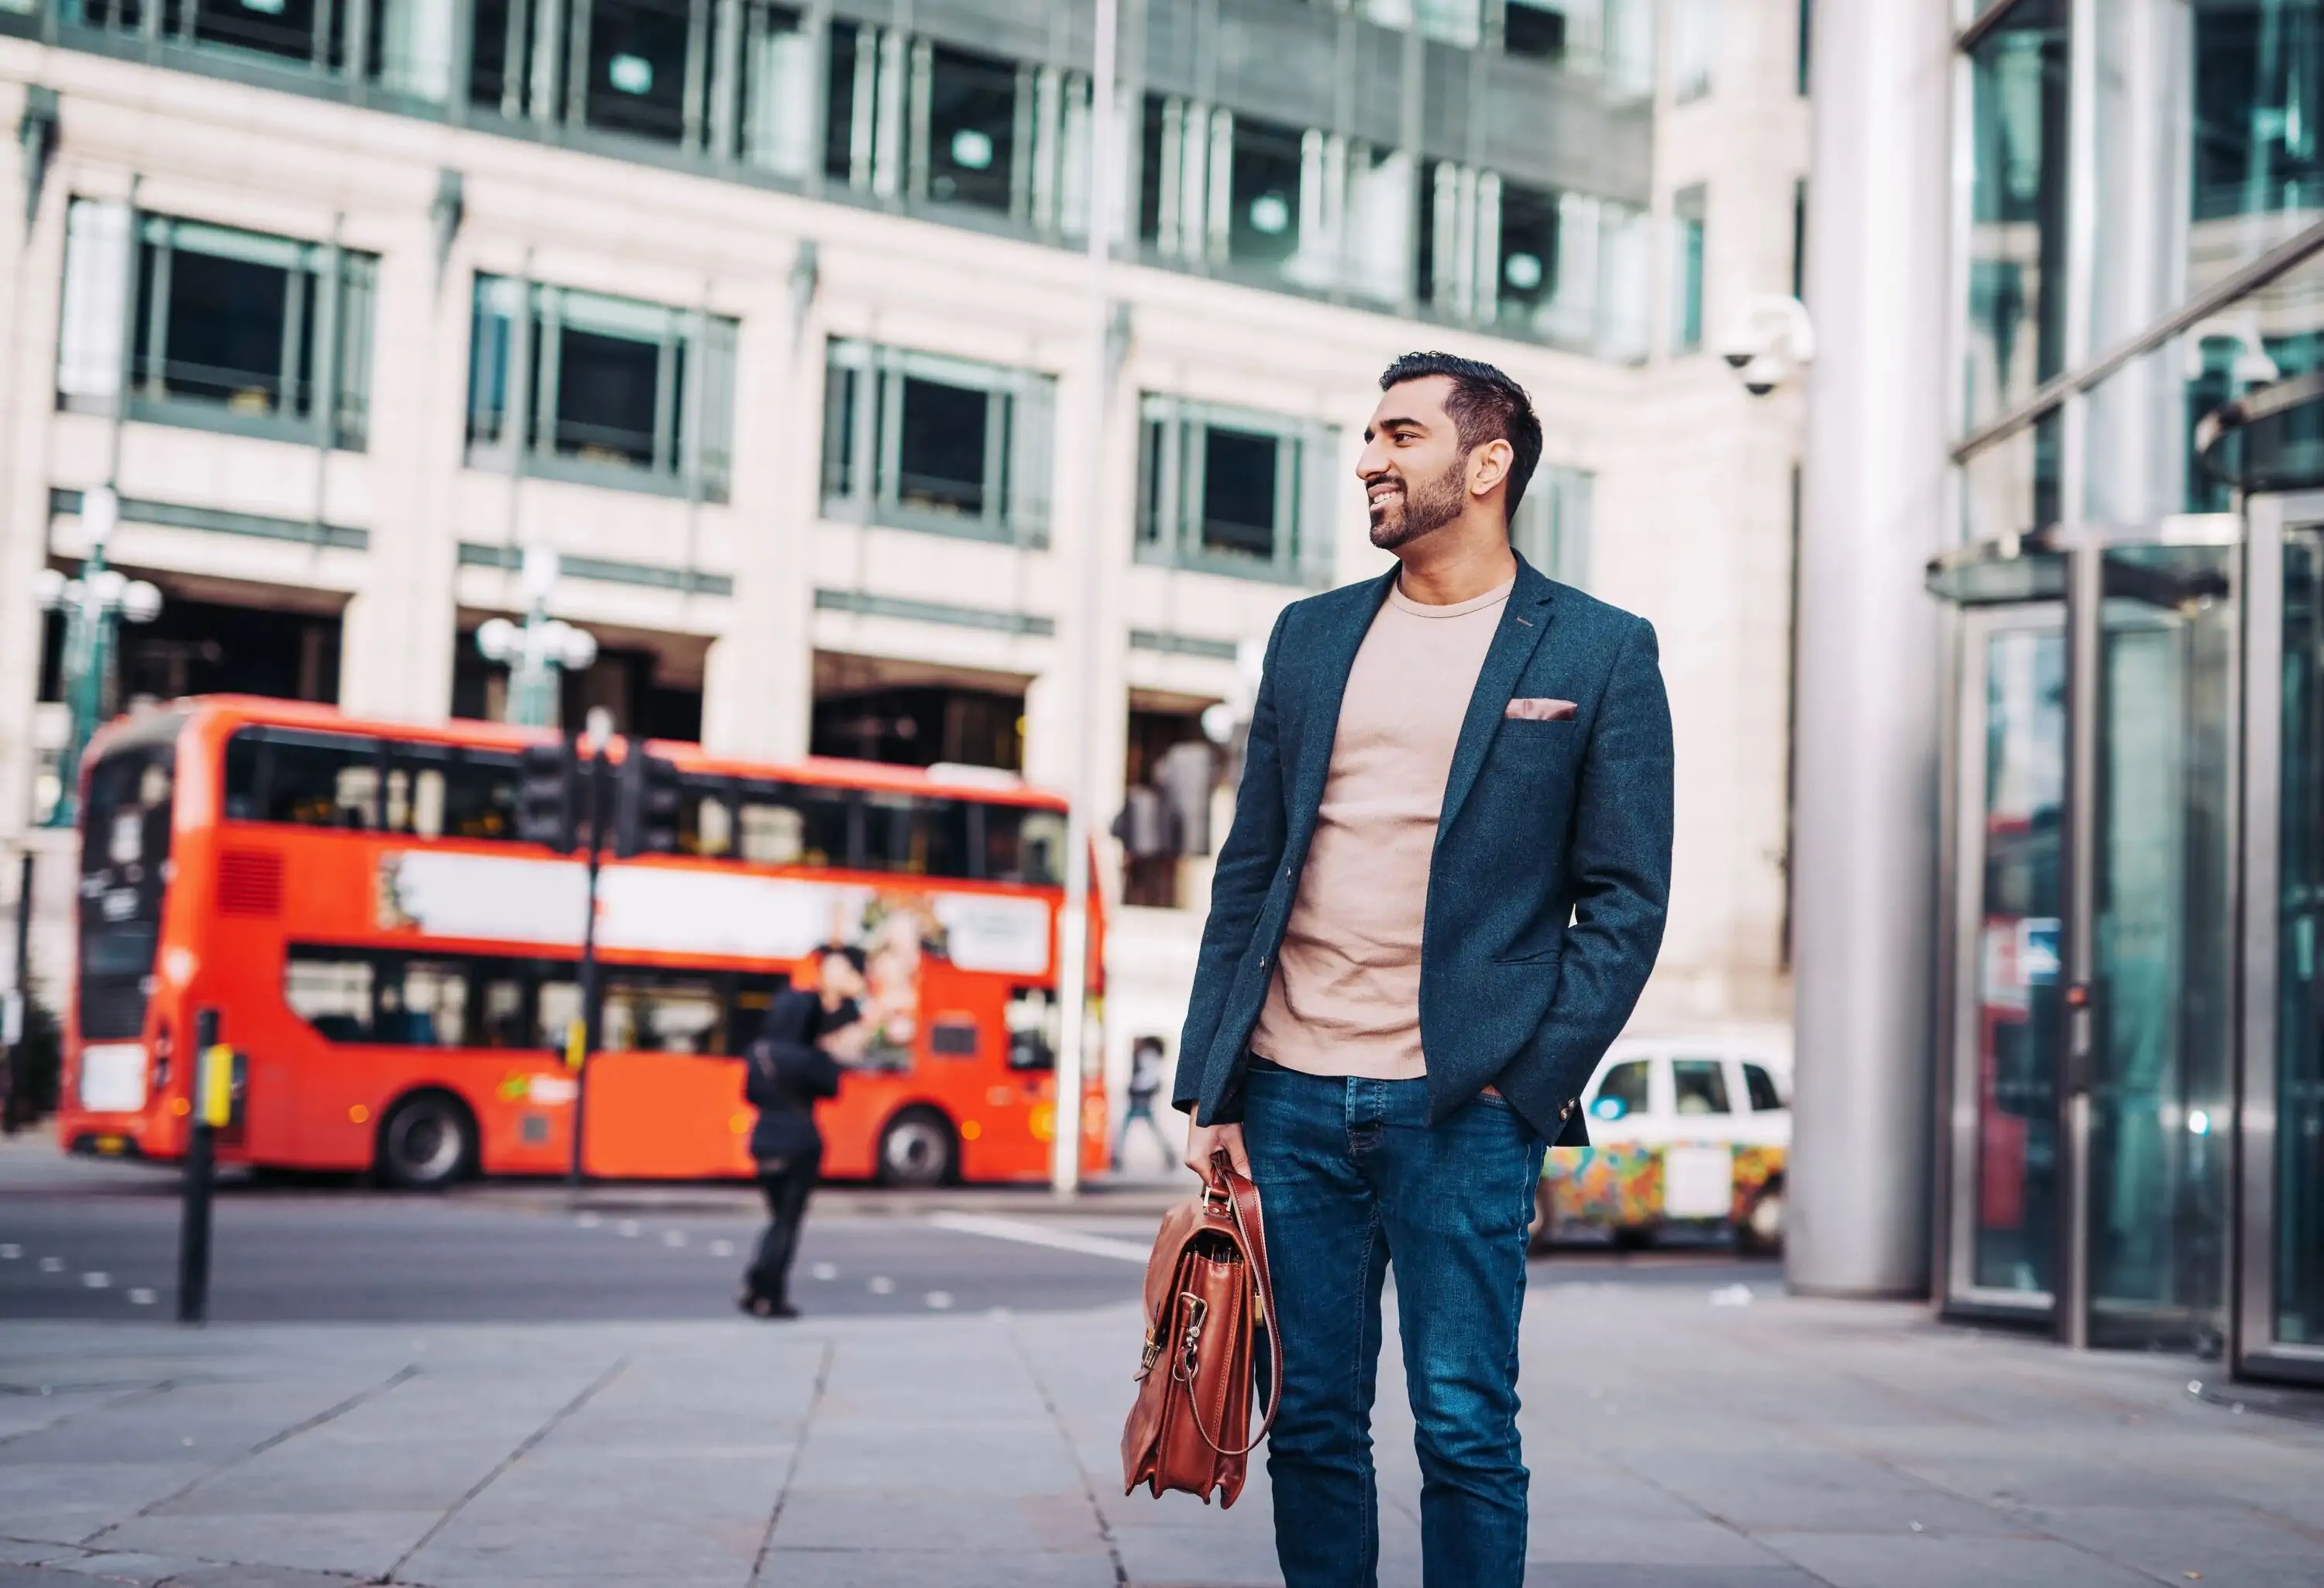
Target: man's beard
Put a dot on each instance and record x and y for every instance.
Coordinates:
(1428, 506)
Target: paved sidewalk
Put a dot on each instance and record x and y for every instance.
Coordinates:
(1677, 1440)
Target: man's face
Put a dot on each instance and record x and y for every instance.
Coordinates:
(838, 977)
(1414, 470)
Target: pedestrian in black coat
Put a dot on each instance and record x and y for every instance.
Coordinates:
(787, 1073)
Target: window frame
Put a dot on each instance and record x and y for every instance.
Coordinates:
(1690, 267)
(516, 330)
(323, 361)
(863, 442)
(1171, 492)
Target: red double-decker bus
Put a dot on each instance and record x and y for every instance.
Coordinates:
(398, 974)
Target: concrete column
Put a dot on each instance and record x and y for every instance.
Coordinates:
(1865, 900)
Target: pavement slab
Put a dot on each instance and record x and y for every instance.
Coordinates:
(1674, 1443)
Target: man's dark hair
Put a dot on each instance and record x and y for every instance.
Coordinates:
(1486, 405)
(846, 951)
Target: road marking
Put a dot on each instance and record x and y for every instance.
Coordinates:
(940, 1300)
(98, 1281)
(881, 1285)
(673, 1237)
(1030, 1234)
(12, 1252)
(141, 1296)
(722, 1249)
(824, 1270)
(627, 1226)
(52, 1265)
(587, 1221)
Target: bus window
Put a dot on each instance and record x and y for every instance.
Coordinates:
(428, 1008)
(1020, 844)
(705, 817)
(664, 1013)
(916, 834)
(124, 872)
(307, 780)
(557, 1006)
(1031, 1018)
(331, 991)
(799, 823)
(496, 1001)
(443, 791)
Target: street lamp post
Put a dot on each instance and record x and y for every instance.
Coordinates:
(93, 603)
(535, 651)
(1074, 922)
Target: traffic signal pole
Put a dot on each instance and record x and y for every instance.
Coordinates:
(583, 1038)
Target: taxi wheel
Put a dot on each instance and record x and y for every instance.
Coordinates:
(917, 1149)
(1761, 1231)
(428, 1140)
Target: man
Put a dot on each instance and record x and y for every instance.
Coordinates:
(1440, 899)
(795, 1062)
(1145, 1085)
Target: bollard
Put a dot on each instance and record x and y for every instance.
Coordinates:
(213, 1107)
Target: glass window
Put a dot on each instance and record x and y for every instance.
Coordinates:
(921, 441)
(662, 1012)
(618, 392)
(1263, 192)
(1528, 252)
(798, 824)
(1688, 210)
(307, 780)
(557, 1005)
(332, 992)
(2017, 236)
(1022, 845)
(1623, 1092)
(972, 129)
(1761, 1087)
(911, 833)
(1551, 527)
(706, 816)
(451, 791)
(226, 329)
(427, 1007)
(1223, 490)
(1699, 1085)
(637, 67)
(1535, 31)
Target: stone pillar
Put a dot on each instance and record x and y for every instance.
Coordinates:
(1865, 900)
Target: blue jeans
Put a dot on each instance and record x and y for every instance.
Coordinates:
(1352, 1179)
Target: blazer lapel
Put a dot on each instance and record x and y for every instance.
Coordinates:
(1524, 620)
(1319, 712)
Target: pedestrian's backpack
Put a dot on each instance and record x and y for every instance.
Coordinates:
(1208, 1300)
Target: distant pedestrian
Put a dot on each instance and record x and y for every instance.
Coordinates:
(1145, 1085)
(788, 1069)
(1439, 902)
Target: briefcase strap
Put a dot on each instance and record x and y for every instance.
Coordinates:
(1251, 1233)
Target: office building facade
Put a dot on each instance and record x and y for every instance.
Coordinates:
(775, 323)
(2058, 1014)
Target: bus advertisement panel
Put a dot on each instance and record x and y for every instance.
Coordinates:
(399, 975)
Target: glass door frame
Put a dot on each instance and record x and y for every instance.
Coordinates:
(2253, 1348)
(1959, 948)
(1990, 598)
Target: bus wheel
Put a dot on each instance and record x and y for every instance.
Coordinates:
(917, 1149)
(427, 1141)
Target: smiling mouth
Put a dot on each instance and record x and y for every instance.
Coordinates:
(1379, 496)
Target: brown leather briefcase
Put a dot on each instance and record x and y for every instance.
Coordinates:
(1208, 1298)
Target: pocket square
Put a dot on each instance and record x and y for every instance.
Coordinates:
(1540, 708)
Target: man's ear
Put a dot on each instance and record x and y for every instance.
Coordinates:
(1488, 466)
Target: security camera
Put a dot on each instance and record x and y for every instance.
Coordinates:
(1773, 338)
(1762, 373)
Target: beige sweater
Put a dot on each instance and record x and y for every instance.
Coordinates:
(1346, 995)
